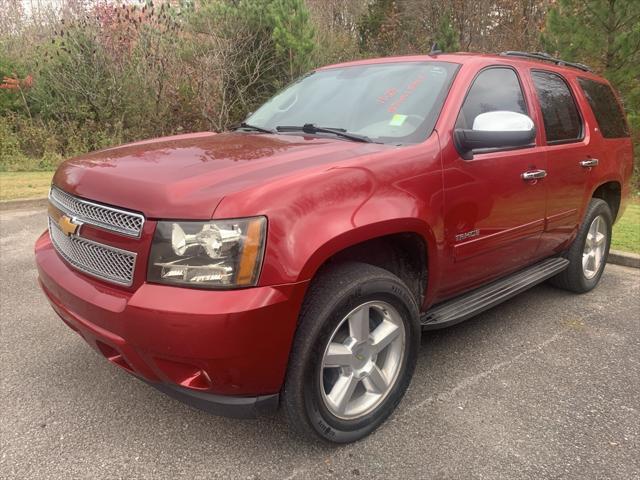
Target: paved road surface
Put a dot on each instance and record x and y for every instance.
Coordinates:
(544, 386)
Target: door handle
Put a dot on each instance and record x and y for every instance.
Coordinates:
(591, 162)
(534, 175)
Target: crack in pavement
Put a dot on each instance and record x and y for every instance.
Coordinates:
(475, 379)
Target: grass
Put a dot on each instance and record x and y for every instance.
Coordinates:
(626, 233)
(16, 185)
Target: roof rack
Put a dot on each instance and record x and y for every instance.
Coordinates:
(547, 58)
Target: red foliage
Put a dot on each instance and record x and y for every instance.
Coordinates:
(118, 28)
(15, 84)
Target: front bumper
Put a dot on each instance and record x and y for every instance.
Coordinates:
(224, 405)
(223, 351)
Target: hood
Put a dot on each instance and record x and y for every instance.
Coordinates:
(186, 176)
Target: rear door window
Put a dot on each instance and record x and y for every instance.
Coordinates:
(496, 88)
(562, 122)
(605, 107)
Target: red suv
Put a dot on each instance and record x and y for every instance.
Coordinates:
(296, 260)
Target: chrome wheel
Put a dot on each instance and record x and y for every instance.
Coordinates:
(362, 360)
(594, 247)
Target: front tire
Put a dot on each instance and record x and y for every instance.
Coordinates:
(589, 251)
(353, 355)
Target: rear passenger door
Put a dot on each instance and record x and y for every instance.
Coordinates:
(567, 147)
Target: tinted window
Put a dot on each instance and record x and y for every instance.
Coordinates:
(388, 102)
(561, 118)
(493, 89)
(605, 107)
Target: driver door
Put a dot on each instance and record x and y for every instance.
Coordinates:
(494, 218)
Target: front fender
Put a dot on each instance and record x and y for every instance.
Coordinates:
(314, 216)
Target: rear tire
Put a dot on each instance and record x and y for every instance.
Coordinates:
(370, 319)
(589, 251)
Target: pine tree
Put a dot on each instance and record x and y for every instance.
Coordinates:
(604, 34)
(293, 34)
(446, 36)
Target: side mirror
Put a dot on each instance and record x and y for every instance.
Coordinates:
(495, 130)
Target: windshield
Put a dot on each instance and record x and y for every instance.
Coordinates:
(395, 103)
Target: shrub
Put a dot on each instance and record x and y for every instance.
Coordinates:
(10, 153)
(240, 53)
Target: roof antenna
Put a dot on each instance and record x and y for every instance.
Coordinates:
(435, 49)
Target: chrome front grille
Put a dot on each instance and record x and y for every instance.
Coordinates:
(101, 261)
(101, 216)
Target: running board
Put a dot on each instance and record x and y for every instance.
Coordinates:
(472, 303)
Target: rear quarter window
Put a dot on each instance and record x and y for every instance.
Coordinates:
(605, 107)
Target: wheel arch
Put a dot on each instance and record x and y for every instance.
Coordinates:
(611, 192)
(402, 246)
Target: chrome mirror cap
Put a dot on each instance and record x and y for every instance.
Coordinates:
(503, 121)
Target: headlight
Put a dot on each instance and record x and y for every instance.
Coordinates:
(216, 254)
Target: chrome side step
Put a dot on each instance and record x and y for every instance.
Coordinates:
(472, 303)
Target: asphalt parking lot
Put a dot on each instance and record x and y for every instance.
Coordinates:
(544, 386)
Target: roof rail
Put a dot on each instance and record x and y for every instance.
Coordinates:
(547, 58)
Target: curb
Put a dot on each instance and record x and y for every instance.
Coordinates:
(23, 203)
(625, 259)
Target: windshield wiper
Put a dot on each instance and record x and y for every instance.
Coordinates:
(246, 126)
(312, 129)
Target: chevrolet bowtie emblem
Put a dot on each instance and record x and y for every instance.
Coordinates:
(67, 225)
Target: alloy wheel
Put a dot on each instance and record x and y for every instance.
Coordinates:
(594, 247)
(362, 360)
